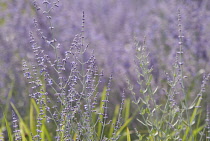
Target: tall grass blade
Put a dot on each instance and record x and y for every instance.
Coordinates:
(32, 119)
(127, 109)
(114, 120)
(101, 111)
(9, 130)
(192, 119)
(128, 134)
(24, 127)
(124, 125)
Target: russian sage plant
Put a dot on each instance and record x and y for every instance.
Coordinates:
(66, 88)
(169, 119)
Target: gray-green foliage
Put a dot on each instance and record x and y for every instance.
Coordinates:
(174, 118)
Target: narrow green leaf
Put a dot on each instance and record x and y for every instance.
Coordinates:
(21, 121)
(192, 123)
(103, 97)
(46, 133)
(185, 122)
(143, 101)
(127, 108)
(191, 106)
(148, 123)
(145, 91)
(124, 125)
(175, 123)
(141, 122)
(143, 112)
(147, 110)
(149, 80)
(22, 132)
(154, 132)
(35, 105)
(32, 119)
(197, 131)
(128, 135)
(114, 120)
(9, 130)
(1, 132)
(155, 90)
(192, 118)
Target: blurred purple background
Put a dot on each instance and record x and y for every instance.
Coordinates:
(110, 28)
